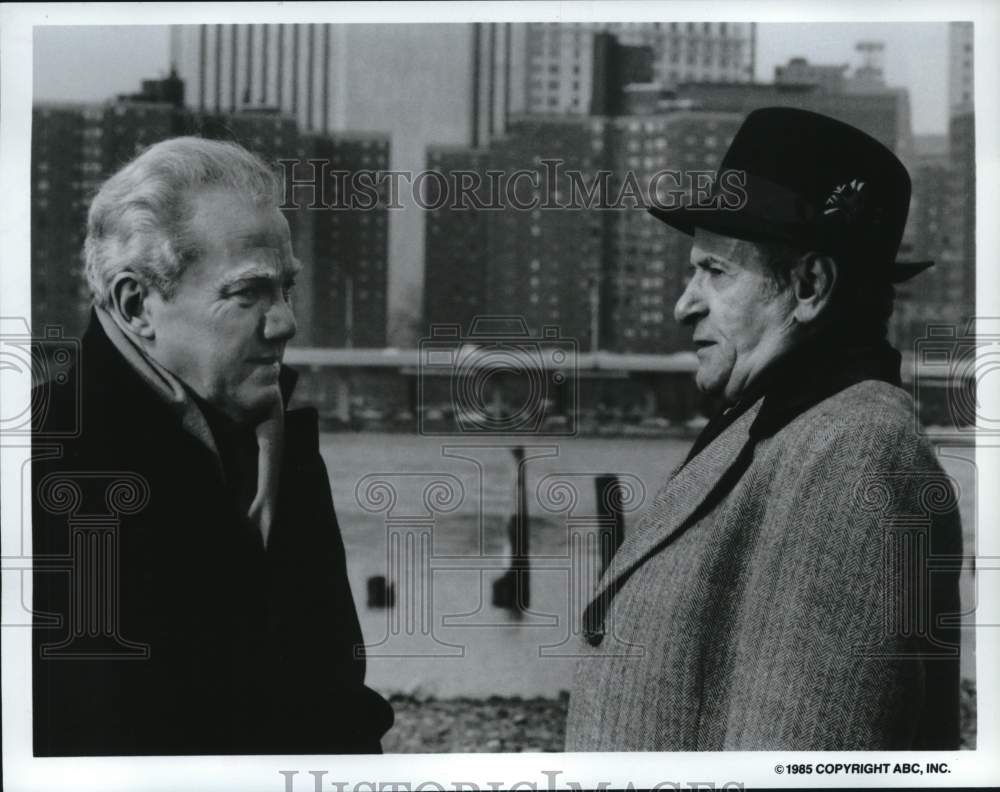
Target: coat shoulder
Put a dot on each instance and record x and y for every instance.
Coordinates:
(866, 402)
(869, 426)
(865, 412)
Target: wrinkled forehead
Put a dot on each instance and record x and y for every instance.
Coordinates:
(229, 219)
(708, 245)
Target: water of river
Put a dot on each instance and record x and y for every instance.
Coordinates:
(431, 514)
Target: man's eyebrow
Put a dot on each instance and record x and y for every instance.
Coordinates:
(707, 258)
(254, 239)
(262, 272)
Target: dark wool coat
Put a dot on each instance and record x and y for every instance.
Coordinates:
(783, 592)
(210, 644)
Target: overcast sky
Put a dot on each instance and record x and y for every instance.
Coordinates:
(93, 63)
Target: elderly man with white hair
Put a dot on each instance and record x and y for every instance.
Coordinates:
(229, 626)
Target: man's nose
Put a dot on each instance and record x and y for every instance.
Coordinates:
(689, 305)
(279, 321)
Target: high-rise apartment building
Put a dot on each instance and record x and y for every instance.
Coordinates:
(459, 246)
(350, 246)
(536, 260)
(962, 153)
(66, 167)
(560, 59)
(961, 67)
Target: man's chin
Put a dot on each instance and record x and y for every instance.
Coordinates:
(709, 383)
(256, 406)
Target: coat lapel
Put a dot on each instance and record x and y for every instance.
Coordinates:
(698, 483)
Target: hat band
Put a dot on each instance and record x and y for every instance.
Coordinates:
(757, 196)
(783, 214)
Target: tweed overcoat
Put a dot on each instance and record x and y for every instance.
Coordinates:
(776, 595)
(221, 646)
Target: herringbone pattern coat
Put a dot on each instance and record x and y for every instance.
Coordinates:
(776, 595)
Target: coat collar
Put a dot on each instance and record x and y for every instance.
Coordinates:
(814, 373)
(721, 454)
(147, 389)
(674, 507)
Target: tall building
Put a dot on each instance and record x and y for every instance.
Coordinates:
(66, 166)
(962, 153)
(539, 262)
(961, 68)
(547, 261)
(560, 58)
(349, 284)
(458, 247)
(310, 71)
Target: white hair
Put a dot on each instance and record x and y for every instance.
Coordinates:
(139, 220)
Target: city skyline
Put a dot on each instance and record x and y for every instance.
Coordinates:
(373, 79)
(916, 58)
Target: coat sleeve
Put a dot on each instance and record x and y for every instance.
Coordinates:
(324, 661)
(856, 652)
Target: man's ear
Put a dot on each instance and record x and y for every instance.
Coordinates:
(130, 305)
(813, 279)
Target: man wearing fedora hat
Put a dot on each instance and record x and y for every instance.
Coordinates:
(794, 584)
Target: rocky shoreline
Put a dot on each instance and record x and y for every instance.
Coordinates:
(512, 725)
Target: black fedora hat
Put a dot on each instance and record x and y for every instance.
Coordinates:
(810, 181)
